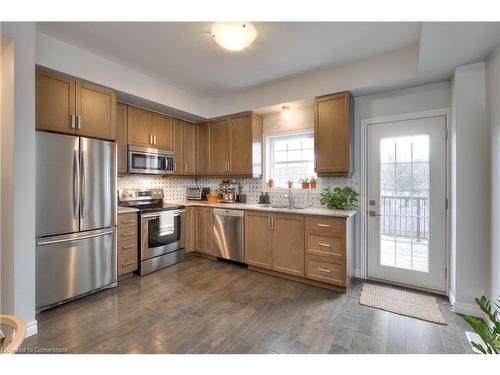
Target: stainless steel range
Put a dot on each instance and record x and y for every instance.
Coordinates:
(161, 228)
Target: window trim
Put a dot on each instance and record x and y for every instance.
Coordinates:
(268, 137)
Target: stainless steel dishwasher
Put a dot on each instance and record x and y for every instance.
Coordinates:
(229, 229)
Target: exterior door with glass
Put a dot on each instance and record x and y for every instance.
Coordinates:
(407, 202)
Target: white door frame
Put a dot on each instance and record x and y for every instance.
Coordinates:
(363, 201)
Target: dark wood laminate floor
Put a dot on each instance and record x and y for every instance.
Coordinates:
(201, 306)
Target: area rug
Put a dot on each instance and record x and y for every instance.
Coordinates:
(402, 302)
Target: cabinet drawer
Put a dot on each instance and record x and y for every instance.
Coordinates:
(127, 233)
(326, 246)
(326, 226)
(127, 245)
(328, 272)
(127, 261)
(127, 220)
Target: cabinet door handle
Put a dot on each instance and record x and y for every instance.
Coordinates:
(323, 225)
(128, 263)
(73, 120)
(154, 139)
(128, 234)
(186, 167)
(323, 244)
(324, 270)
(79, 122)
(126, 247)
(269, 225)
(128, 221)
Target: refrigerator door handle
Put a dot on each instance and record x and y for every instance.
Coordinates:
(83, 171)
(72, 239)
(76, 184)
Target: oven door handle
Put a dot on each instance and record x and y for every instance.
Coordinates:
(157, 215)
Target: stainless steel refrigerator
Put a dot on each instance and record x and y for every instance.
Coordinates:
(75, 217)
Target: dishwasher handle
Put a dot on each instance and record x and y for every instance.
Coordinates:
(229, 213)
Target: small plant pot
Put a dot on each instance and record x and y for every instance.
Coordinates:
(270, 184)
(290, 185)
(313, 184)
(305, 185)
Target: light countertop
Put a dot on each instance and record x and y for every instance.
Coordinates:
(320, 211)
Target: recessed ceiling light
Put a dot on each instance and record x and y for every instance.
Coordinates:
(234, 36)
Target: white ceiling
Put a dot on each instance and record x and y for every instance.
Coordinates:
(183, 54)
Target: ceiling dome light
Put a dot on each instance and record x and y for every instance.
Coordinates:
(234, 36)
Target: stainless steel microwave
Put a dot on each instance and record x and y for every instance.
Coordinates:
(150, 160)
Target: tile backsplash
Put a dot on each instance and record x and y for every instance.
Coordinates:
(174, 188)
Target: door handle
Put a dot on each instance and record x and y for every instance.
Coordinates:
(323, 270)
(76, 184)
(50, 242)
(373, 213)
(83, 171)
(154, 139)
(73, 121)
(127, 247)
(79, 122)
(323, 225)
(128, 263)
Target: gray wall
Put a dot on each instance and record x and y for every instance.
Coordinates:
(470, 169)
(23, 36)
(493, 91)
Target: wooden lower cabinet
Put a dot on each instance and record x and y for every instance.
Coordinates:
(275, 242)
(204, 217)
(190, 230)
(258, 240)
(127, 256)
(288, 244)
(313, 249)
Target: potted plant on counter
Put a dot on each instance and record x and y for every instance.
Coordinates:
(305, 183)
(313, 182)
(290, 184)
(270, 183)
(345, 198)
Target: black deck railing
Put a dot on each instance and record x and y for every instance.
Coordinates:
(405, 216)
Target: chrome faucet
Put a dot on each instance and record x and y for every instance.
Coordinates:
(291, 199)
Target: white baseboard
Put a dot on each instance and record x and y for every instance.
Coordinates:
(468, 309)
(31, 328)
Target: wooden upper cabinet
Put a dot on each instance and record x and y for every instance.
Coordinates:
(139, 127)
(288, 244)
(241, 145)
(96, 111)
(162, 130)
(333, 134)
(203, 148)
(55, 102)
(189, 149)
(258, 240)
(236, 145)
(65, 105)
(219, 147)
(178, 146)
(121, 136)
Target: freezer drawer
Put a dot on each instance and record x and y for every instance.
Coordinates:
(72, 265)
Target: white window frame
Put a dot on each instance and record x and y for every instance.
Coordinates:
(268, 154)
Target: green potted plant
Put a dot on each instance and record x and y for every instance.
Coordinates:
(313, 182)
(490, 333)
(270, 183)
(341, 198)
(290, 184)
(305, 183)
